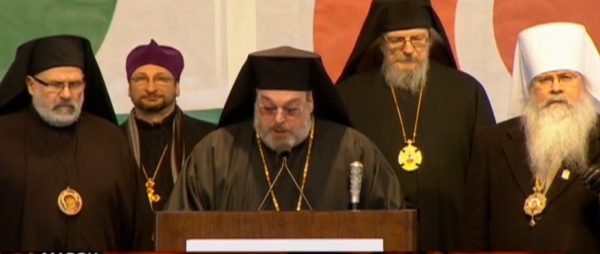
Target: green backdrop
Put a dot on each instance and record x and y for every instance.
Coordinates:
(23, 20)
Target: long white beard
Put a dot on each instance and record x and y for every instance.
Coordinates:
(558, 135)
(409, 80)
(278, 145)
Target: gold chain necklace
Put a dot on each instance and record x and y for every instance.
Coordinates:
(266, 168)
(410, 157)
(153, 198)
(536, 202)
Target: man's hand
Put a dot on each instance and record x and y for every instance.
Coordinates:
(591, 178)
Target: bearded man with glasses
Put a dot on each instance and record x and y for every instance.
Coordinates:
(67, 178)
(160, 134)
(534, 179)
(283, 112)
(403, 90)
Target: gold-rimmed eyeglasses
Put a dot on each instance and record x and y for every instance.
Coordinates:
(562, 78)
(272, 111)
(417, 42)
(158, 80)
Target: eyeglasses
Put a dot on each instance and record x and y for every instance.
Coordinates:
(417, 42)
(563, 78)
(57, 87)
(272, 111)
(158, 80)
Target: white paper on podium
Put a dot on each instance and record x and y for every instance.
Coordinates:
(232, 245)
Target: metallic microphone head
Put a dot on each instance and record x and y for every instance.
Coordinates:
(356, 176)
(284, 151)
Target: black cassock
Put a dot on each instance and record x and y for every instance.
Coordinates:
(94, 157)
(153, 139)
(225, 173)
(499, 182)
(453, 106)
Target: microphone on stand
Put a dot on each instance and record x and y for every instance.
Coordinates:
(356, 176)
(284, 164)
(284, 153)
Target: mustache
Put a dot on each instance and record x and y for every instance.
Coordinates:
(70, 104)
(407, 60)
(400, 57)
(557, 99)
(281, 127)
(152, 96)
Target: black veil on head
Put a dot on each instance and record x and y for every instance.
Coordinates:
(390, 15)
(283, 68)
(43, 53)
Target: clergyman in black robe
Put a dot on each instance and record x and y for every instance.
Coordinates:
(160, 135)
(283, 106)
(402, 90)
(530, 186)
(67, 178)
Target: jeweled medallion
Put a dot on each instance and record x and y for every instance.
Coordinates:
(410, 157)
(534, 205)
(152, 197)
(70, 202)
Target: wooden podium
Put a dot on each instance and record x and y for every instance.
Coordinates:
(398, 228)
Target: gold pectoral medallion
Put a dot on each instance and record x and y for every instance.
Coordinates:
(534, 205)
(153, 198)
(536, 202)
(70, 202)
(410, 157)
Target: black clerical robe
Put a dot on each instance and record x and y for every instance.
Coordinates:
(93, 159)
(453, 106)
(499, 181)
(225, 173)
(153, 139)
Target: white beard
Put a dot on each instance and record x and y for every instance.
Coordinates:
(63, 116)
(296, 137)
(558, 136)
(409, 80)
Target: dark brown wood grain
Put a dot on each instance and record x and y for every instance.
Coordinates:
(397, 228)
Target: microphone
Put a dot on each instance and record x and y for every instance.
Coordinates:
(591, 177)
(283, 153)
(296, 183)
(356, 176)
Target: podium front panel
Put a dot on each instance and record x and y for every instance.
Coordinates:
(398, 229)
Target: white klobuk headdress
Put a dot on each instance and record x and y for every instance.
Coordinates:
(552, 47)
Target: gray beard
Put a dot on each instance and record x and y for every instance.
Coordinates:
(558, 136)
(409, 80)
(58, 117)
(287, 144)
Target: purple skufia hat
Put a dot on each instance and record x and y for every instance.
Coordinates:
(164, 56)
